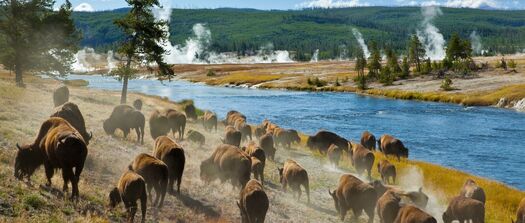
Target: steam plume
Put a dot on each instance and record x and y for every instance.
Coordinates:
(361, 41)
(475, 41)
(430, 36)
(315, 57)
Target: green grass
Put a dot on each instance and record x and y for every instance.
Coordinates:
(34, 200)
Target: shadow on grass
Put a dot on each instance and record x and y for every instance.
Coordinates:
(199, 206)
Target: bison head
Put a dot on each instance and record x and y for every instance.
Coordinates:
(114, 198)
(294, 136)
(207, 171)
(28, 159)
(404, 152)
(109, 128)
(379, 187)
(310, 142)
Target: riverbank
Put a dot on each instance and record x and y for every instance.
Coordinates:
(484, 88)
(24, 109)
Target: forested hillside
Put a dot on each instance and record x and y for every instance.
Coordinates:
(330, 30)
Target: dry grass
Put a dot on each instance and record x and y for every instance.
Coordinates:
(239, 78)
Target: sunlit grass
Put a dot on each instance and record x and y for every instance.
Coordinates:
(243, 78)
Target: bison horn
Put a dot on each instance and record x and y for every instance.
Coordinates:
(18, 146)
(90, 135)
(330, 192)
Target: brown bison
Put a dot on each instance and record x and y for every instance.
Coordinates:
(246, 131)
(294, 175)
(234, 116)
(191, 111)
(172, 154)
(286, 137)
(356, 195)
(60, 95)
(418, 198)
(267, 144)
(412, 214)
(520, 213)
(125, 118)
(260, 131)
(323, 139)
(70, 112)
(209, 120)
(253, 203)
(176, 122)
(227, 162)
(137, 104)
(368, 140)
(155, 174)
(158, 124)
(269, 126)
(362, 159)
(464, 209)
(131, 187)
(259, 162)
(388, 206)
(387, 171)
(334, 154)
(232, 136)
(472, 190)
(392, 146)
(58, 145)
(196, 137)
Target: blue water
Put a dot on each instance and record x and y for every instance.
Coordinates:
(480, 140)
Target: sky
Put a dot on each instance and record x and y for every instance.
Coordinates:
(99, 5)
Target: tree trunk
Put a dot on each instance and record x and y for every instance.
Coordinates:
(18, 76)
(124, 95)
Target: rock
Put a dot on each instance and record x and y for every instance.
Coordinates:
(520, 105)
(502, 103)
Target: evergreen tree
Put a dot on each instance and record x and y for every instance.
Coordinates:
(35, 38)
(405, 68)
(416, 52)
(142, 44)
(392, 61)
(360, 65)
(458, 49)
(374, 62)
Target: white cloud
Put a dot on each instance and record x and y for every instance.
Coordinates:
(331, 4)
(84, 7)
(472, 4)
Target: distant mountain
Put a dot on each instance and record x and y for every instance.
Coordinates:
(329, 30)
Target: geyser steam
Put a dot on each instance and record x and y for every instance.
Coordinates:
(359, 37)
(430, 35)
(475, 41)
(315, 56)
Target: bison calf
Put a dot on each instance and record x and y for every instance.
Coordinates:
(387, 171)
(130, 188)
(155, 174)
(294, 175)
(172, 154)
(253, 203)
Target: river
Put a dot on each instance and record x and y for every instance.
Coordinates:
(483, 141)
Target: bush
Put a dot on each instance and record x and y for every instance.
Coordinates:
(386, 77)
(512, 64)
(360, 81)
(337, 82)
(446, 84)
(210, 73)
(34, 200)
(316, 82)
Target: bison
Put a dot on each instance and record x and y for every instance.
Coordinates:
(158, 124)
(286, 137)
(125, 118)
(155, 174)
(60, 95)
(368, 140)
(176, 122)
(323, 139)
(472, 190)
(234, 116)
(260, 131)
(227, 162)
(267, 144)
(58, 145)
(253, 203)
(334, 154)
(259, 162)
(392, 146)
(191, 111)
(520, 213)
(387, 171)
(172, 154)
(356, 195)
(294, 175)
(257, 168)
(209, 120)
(137, 104)
(412, 214)
(130, 188)
(418, 198)
(362, 159)
(232, 136)
(464, 209)
(196, 137)
(71, 113)
(388, 206)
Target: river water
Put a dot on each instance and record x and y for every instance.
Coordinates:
(484, 141)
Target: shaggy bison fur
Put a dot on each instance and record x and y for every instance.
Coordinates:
(387, 171)
(412, 214)
(464, 209)
(392, 146)
(155, 174)
(232, 136)
(368, 140)
(176, 122)
(472, 190)
(130, 188)
(323, 139)
(158, 124)
(209, 121)
(286, 137)
(227, 162)
(125, 118)
(253, 203)
(172, 154)
(71, 113)
(362, 159)
(267, 144)
(356, 195)
(294, 175)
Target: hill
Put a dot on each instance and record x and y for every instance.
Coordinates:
(304, 31)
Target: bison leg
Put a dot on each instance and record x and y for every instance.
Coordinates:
(66, 176)
(370, 213)
(137, 130)
(131, 207)
(171, 182)
(149, 187)
(143, 204)
(49, 172)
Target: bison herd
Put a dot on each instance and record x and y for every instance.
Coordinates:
(62, 141)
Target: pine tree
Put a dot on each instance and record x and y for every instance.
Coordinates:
(36, 38)
(405, 68)
(392, 61)
(142, 44)
(416, 52)
(360, 65)
(374, 62)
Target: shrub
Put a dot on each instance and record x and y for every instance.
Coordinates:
(446, 84)
(360, 81)
(386, 77)
(34, 200)
(210, 73)
(337, 82)
(512, 64)
(316, 82)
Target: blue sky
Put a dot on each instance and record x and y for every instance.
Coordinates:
(88, 5)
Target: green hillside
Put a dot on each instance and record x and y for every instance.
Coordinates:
(329, 30)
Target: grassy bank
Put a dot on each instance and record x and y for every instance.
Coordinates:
(23, 110)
